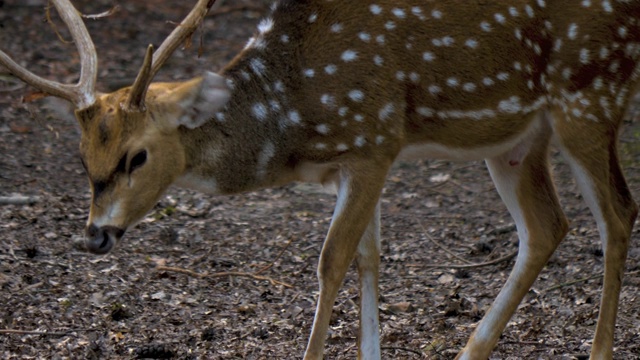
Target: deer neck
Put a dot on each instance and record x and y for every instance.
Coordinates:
(251, 142)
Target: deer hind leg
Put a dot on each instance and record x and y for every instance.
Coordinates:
(590, 147)
(359, 188)
(524, 183)
(368, 263)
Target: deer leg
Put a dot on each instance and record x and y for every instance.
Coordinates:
(524, 183)
(359, 189)
(368, 263)
(595, 165)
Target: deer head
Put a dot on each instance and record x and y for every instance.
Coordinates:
(130, 144)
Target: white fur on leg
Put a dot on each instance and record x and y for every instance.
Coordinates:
(368, 252)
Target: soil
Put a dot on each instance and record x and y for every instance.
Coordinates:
(58, 301)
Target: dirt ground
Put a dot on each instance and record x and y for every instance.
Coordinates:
(124, 305)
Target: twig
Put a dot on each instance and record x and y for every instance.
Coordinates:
(18, 200)
(434, 242)
(573, 282)
(268, 266)
(223, 274)
(402, 349)
(107, 13)
(34, 332)
(469, 266)
(52, 24)
(13, 80)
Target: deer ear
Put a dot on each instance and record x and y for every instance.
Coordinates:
(196, 101)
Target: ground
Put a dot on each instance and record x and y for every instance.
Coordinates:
(62, 302)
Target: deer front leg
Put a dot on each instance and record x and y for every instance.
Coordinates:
(359, 188)
(525, 186)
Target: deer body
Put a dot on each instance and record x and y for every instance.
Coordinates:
(336, 92)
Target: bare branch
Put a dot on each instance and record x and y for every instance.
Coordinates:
(223, 274)
(81, 94)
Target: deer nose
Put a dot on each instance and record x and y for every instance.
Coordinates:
(100, 240)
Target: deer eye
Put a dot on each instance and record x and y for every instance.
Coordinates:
(138, 160)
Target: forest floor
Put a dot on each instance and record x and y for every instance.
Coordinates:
(57, 301)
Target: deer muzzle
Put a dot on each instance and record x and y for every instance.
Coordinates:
(100, 240)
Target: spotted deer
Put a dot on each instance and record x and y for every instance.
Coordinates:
(335, 92)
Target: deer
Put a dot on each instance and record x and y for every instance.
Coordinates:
(336, 92)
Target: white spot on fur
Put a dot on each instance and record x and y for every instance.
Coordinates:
(386, 111)
(375, 9)
(257, 66)
(510, 106)
(356, 95)
(336, 28)
(503, 76)
(425, 111)
(471, 43)
(529, 10)
(364, 36)
(399, 13)
(572, 31)
(294, 117)
(312, 18)
(469, 87)
(328, 100)
(434, 89)
(322, 129)
(265, 25)
(265, 155)
(453, 82)
(278, 86)
(259, 111)
(349, 55)
(584, 56)
(428, 56)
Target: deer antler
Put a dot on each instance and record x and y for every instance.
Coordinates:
(83, 93)
(151, 66)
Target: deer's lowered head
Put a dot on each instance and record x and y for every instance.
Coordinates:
(131, 145)
(133, 153)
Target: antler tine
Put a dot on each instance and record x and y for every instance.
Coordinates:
(177, 36)
(135, 100)
(81, 94)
